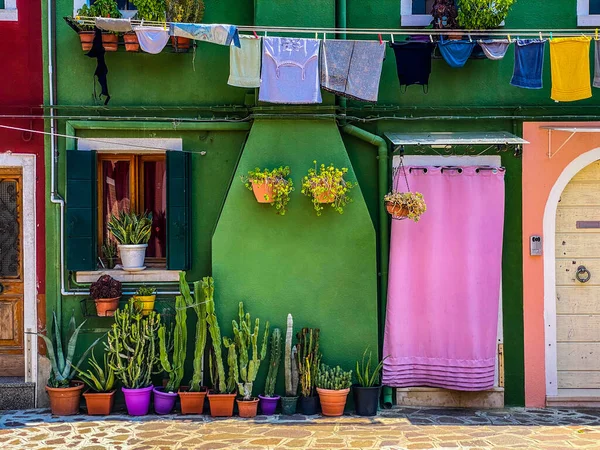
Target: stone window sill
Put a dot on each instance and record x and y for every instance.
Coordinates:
(592, 20)
(145, 276)
(9, 15)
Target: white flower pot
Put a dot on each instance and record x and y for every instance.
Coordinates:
(132, 256)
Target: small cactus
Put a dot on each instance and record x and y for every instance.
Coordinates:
(273, 363)
(290, 362)
(308, 358)
(333, 378)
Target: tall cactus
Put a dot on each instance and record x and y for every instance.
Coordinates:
(244, 340)
(309, 359)
(290, 363)
(176, 367)
(208, 291)
(273, 363)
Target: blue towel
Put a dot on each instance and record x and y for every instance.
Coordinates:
(217, 34)
(529, 63)
(456, 53)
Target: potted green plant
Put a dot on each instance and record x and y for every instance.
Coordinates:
(444, 13)
(326, 185)
(333, 387)
(150, 10)
(192, 396)
(100, 396)
(109, 250)
(145, 296)
(290, 364)
(64, 393)
(100, 8)
(247, 357)
(483, 14)
(368, 389)
(271, 186)
(164, 397)
(132, 232)
(133, 345)
(106, 292)
(268, 402)
(308, 358)
(186, 11)
(405, 205)
(222, 396)
(86, 32)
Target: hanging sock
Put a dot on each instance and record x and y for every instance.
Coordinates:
(216, 34)
(116, 25)
(244, 63)
(152, 39)
(570, 65)
(413, 62)
(101, 71)
(456, 53)
(529, 63)
(494, 49)
(290, 71)
(596, 65)
(352, 68)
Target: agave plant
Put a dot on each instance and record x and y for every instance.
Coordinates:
(63, 369)
(97, 378)
(130, 228)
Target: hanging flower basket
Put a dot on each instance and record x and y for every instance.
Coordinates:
(271, 186)
(405, 205)
(397, 211)
(327, 186)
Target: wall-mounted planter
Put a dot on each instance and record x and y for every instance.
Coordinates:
(106, 307)
(131, 42)
(110, 42)
(86, 38)
(146, 303)
(326, 197)
(263, 192)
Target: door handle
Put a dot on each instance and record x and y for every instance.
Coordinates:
(583, 275)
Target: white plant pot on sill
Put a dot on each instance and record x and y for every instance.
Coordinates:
(132, 256)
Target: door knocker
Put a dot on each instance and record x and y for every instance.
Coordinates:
(583, 275)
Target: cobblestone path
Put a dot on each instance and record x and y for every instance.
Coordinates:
(404, 428)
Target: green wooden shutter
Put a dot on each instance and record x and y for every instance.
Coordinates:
(82, 210)
(179, 225)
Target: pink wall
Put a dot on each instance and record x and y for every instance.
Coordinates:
(540, 173)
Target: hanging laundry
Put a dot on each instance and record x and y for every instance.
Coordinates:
(152, 39)
(494, 49)
(244, 63)
(216, 34)
(413, 62)
(529, 63)
(597, 65)
(116, 25)
(570, 66)
(456, 52)
(101, 71)
(290, 71)
(352, 68)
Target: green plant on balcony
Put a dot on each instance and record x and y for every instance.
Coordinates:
(106, 8)
(151, 10)
(130, 228)
(483, 14)
(186, 11)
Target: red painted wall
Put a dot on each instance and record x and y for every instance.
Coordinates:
(21, 94)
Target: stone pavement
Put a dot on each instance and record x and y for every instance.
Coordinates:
(401, 428)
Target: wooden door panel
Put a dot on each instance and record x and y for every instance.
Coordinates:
(11, 324)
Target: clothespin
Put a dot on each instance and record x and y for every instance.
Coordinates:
(431, 38)
(470, 40)
(509, 41)
(380, 39)
(541, 37)
(596, 34)
(316, 36)
(266, 33)
(165, 26)
(392, 37)
(551, 37)
(255, 35)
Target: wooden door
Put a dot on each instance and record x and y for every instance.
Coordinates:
(12, 362)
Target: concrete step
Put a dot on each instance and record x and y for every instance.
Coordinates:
(15, 393)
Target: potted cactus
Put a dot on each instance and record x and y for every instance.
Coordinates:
(164, 397)
(333, 387)
(222, 396)
(192, 396)
(366, 392)
(245, 340)
(268, 402)
(64, 393)
(132, 232)
(290, 364)
(308, 357)
(326, 185)
(106, 292)
(100, 397)
(133, 344)
(271, 186)
(145, 297)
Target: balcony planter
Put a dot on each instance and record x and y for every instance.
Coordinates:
(191, 402)
(164, 402)
(131, 42)
(99, 403)
(263, 191)
(86, 38)
(180, 44)
(333, 402)
(133, 256)
(366, 400)
(221, 405)
(326, 185)
(137, 401)
(289, 405)
(248, 408)
(106, 307)
(65, 401)
(271, 186)
(110, 42)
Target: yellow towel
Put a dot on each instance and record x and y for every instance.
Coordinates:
(570, 62)
(245, 63)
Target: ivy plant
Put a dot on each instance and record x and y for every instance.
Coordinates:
(327, 185)
(279, 180)
(483, 14)
(152, 10)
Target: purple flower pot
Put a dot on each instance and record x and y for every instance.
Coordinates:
(164, 402)
(137, 400)
(268, 404)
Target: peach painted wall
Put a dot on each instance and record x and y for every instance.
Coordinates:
(540, 173)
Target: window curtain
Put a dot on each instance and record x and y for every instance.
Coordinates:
(444, 283)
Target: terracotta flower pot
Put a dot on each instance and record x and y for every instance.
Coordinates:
(325, 197)
(86, 38)
(191, 402)
(65, 401)
(221, 405)
(110, 42)
(263, 192)
(180, 44)
(333, 402)
(248, 408)
(131, 42)
(106, 307)
(99, 403)
(396, 211)
(146, 303)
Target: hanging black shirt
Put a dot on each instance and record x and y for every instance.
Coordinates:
(413, 60)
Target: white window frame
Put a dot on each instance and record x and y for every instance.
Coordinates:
(584, 18)
(408, 19)
(9, 13)
(77, 4)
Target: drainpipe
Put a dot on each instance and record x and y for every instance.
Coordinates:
(342, 19)
(384, 227)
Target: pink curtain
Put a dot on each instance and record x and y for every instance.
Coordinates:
(444, 283)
